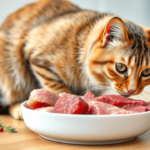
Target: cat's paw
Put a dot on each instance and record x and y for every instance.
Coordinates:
(15, 111)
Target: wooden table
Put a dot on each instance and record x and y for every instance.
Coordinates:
(25, 139)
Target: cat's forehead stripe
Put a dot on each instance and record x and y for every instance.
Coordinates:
(142, 60)
(145, 48)
(139, 49)
(133, 46)
(131, 60)
(134, 30)
(137, 60)
(122, 59)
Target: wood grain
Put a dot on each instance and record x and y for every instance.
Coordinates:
(25, 139)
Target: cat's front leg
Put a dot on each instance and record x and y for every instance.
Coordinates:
(50, 83)
(49, 79)
(56, 87)
(15, 111)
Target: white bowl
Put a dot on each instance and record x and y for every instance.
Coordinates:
(86, 129)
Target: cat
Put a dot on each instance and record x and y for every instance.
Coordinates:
(56, 45)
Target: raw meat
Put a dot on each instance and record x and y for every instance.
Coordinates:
(134, 108)
(26, 105)
(119, 101)
(100, 108)
(70, 104)
(88, 96)
(42, 98)
(147, 106)
(90, 104)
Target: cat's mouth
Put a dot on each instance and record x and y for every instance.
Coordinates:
(125, 94)
(122, 93)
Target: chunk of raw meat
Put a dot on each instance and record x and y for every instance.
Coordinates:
(88, 96)
(147, 106)
(60, 94)
(100, 108)
(118, 100)
(134, 108)
(46, 109)
(42, 98)
(70, 104)
(26, 105)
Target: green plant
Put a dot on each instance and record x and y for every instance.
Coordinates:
(9, 128)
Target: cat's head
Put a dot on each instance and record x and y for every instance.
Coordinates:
(119, 57)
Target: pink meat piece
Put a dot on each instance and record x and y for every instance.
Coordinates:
(118, 100)
(46, 109)
(147, 106)
(42, 98)
(100, 108)
(60, 94)
(88, 96)
(70, 104)
(27, 106)
(134, 108)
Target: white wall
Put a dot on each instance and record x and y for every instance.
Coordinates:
(134, 10)
(9, 6)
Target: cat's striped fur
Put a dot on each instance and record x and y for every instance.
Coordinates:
(56, 45)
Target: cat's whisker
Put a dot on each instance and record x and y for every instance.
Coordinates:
(138, 96)
(144, 96)
(146, 92)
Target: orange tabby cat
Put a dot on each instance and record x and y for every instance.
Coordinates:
(54, 44)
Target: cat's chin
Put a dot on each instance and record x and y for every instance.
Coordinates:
(113, 91)
(125, 95)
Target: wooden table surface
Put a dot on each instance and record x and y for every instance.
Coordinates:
(25, 139)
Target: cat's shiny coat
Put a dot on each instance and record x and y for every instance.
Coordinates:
(56, 45)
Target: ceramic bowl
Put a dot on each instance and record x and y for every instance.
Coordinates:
(86, 129)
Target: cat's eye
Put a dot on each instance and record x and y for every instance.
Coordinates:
(146, 72)
(121, 68)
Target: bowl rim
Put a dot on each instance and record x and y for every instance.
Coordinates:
(82, 115)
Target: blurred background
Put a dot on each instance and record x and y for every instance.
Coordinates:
(134, 10)
(137, 11)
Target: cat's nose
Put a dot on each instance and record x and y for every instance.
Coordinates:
(131, 91)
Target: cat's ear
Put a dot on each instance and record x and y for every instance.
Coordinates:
(115, 29)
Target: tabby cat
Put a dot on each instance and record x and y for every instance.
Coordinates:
(56, 45)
